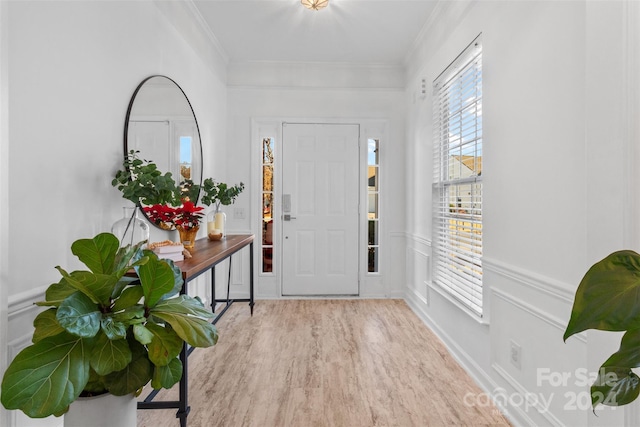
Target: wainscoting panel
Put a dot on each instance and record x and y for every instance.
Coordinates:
(527, 314)
(22, 311)
(539, 373)
(419, 272)
(530, 357)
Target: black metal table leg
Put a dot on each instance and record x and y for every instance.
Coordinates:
(251, 277)
(183, 407)
(213, 289)
(229, 280)
(183, 411)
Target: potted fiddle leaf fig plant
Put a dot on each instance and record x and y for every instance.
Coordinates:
(111, 328)
(607, 299)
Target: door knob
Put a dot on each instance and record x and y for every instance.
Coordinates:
(288, 217)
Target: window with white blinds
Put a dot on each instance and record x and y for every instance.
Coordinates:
(457, 188)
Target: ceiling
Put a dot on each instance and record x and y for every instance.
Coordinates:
(380, 32)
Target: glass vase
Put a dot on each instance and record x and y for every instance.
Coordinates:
(216, 222)
(130, 229)
(187, 236)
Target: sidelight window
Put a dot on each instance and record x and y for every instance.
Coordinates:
(373, 202)
(267, 204)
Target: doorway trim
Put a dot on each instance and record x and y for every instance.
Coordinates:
(269, 285)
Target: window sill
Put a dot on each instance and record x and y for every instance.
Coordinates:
(483, 320)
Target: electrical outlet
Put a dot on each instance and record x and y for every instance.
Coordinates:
(238, 213)
(515, 355)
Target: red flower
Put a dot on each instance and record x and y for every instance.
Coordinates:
(188, 215)
(161, 215)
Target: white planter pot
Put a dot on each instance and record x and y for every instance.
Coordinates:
(105, 410)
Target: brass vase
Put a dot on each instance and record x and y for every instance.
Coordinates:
(188, 236)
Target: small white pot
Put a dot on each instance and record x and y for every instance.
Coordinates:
(105, 410)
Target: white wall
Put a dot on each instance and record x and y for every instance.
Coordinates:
(70, 69)
(556, 121)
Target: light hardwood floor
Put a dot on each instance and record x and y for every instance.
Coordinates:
(342, 363)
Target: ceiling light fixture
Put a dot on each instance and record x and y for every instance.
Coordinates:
(315, 4)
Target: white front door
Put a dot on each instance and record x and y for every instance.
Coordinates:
(320, 169)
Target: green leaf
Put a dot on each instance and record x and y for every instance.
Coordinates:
(46, 325)
(79, 315)
(122, 284)
(98, 253)
(164, 346)
(185, 304)
(130, 296)
(141, 182)
(156, 277)
(127, 256)
(58, 292)
(167, 376)
(112, 328)
(616, 383)
(44, 378)
(142, 334)
(135, 376)
(131, 315)
(607, 297)
(219, 193)
(98, 287)
(628, 355)
(137, 349)
(615, 387)
(194, 330)
(110, 355)
(95, 383)
(177, 277)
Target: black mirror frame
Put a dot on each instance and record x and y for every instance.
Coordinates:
(126, 131)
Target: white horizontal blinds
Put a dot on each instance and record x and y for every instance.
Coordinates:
(458, 178)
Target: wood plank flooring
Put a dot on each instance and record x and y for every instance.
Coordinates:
(343, 363)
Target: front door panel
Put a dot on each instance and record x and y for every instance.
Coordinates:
(320, 209)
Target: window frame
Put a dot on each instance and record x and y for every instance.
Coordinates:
(457, 225)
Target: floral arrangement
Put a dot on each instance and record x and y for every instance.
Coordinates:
(161, 215)
(187, 216)
(156, 193)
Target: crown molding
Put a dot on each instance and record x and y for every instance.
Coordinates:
(204, 26)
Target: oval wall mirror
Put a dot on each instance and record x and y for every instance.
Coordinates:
(161, 124)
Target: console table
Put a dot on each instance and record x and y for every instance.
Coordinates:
(206, 255)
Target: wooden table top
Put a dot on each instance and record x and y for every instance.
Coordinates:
(207, 253)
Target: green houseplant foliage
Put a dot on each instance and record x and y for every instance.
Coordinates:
(608, 299)
(140, 181)
(219, 193)
(106, 331)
